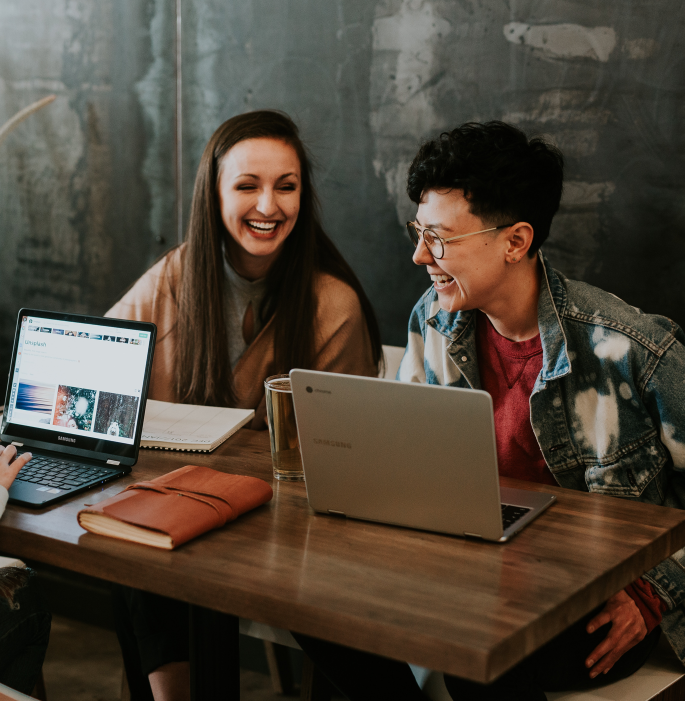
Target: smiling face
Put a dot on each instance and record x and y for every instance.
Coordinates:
(259, 195)
(469, 274)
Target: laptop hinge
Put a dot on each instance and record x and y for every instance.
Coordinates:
(336, 513)
(19, 445)
(473, 535)
(113, 462)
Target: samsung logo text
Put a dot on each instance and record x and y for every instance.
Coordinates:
(333, 444)
(64, 438)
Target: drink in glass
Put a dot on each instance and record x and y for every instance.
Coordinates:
(280, 412)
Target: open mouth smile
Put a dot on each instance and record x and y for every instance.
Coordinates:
(441, 281)
(262, 228)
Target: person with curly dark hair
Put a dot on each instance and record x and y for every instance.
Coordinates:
(587, 392)
(24, 624)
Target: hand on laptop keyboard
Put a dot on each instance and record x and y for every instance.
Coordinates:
(9, 468)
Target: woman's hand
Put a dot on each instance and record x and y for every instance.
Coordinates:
(9, 471)
(627, 629)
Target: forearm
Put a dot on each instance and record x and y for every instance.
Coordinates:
(651, 605)
(4, 496)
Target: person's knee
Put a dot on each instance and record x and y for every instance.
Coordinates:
(24, 607)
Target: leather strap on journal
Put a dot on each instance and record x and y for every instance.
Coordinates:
(208, 499)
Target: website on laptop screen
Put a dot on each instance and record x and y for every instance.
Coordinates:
(80, 379)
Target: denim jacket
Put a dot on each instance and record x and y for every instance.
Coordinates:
(608, 407)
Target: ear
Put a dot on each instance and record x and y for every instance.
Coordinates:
(519, 240)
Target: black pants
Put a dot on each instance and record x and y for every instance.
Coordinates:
(24, 635)
(152, 631)
(559, 665)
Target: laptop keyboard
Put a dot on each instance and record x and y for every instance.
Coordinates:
(60, 474)
(511, 514)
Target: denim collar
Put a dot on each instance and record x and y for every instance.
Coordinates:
(551, 306)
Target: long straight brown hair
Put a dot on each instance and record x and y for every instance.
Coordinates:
(203, 371)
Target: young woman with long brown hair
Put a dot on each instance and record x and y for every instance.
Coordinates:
(257, 289)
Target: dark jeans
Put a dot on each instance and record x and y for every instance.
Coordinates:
(152, 631)
(557, 666)
(24, 635)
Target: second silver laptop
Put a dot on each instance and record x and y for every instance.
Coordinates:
(422, 456)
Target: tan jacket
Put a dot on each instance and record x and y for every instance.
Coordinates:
(342, 338)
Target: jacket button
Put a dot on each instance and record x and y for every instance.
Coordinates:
(463, 358)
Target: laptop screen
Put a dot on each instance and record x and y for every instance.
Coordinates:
(80, 384)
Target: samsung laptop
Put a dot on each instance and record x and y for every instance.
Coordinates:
(416, 455)
(76, 400)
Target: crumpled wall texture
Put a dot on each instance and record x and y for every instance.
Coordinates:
(87, 187)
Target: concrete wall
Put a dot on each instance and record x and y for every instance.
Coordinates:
(87, 184)
(87, 187)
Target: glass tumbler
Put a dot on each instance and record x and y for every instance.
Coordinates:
(285, 447)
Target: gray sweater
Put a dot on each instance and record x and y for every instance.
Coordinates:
(239, 293)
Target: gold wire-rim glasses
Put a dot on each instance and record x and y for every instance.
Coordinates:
(416, 233)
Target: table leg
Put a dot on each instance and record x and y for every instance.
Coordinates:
(214, 656)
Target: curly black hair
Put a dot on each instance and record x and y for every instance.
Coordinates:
(504, 175)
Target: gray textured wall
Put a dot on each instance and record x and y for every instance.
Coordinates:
(88, 185)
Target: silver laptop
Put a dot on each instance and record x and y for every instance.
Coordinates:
(407, 454)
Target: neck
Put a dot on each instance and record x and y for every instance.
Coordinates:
(247, 265)
(514, 313)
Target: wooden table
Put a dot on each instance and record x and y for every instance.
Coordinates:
(468, 608)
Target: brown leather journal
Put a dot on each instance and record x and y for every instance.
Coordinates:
(172, 509)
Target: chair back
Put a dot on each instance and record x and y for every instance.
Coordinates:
(393, 357)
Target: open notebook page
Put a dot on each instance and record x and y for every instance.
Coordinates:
(189, 427)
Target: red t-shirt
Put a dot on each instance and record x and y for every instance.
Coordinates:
(508, 370)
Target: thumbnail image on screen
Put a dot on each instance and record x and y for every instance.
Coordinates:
(116, 414)
(36, 397)
(74, 407)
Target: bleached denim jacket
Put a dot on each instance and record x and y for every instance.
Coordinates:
(608, 407)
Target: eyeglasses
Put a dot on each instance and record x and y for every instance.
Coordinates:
(436, 244)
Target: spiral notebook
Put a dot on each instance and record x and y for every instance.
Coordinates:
(187, 427)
